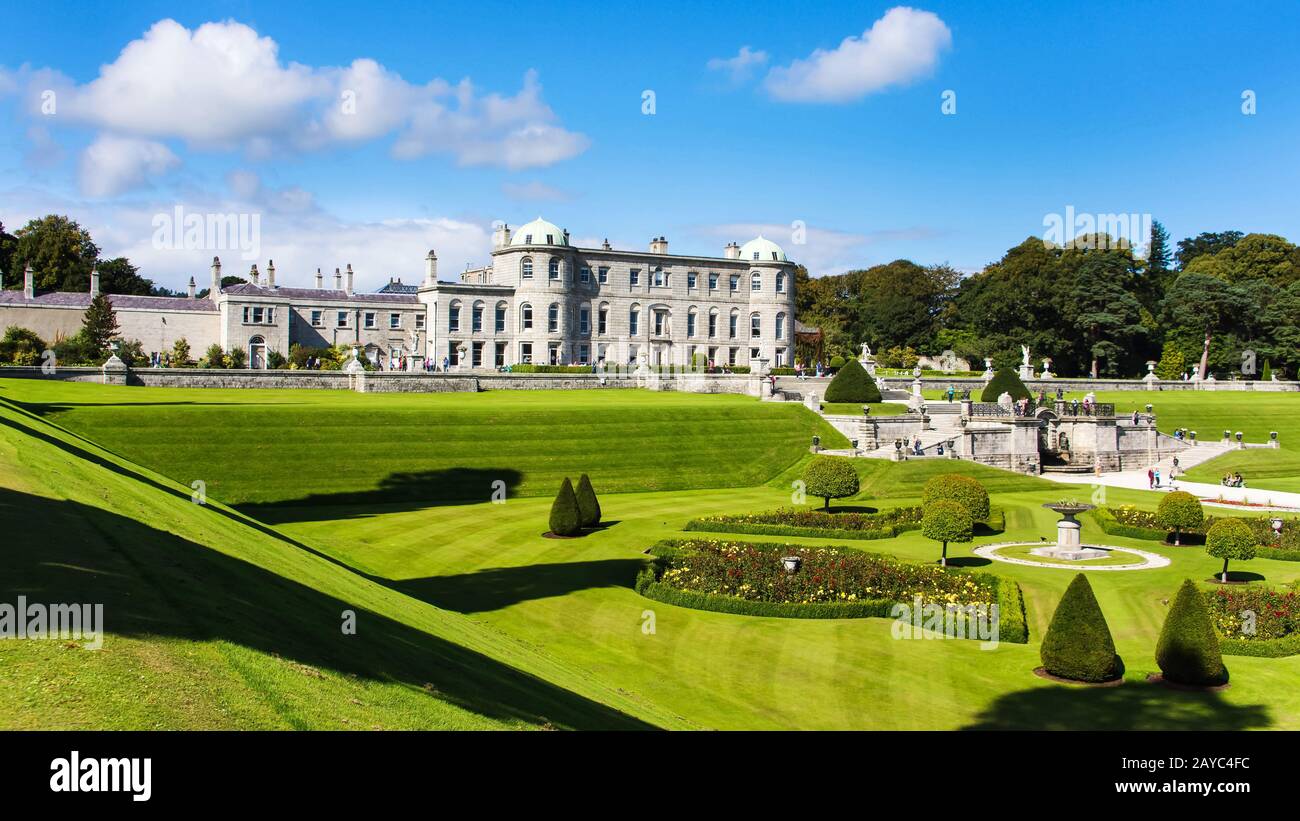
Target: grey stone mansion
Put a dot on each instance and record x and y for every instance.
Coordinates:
(540, 300)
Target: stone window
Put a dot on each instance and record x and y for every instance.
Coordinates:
(585, 274)
(661, 323)
(394, 321)
(526, 317)
(690, 322)
(419, 321)
(602, 320)
(584, 320)
(370, 319)
(318, 319)
(501, 318)
(553, 270)
(634, 277)
(755, 326)
(453, 317)
(755, 281)
(780, 326)
(553, 319)
(526, 268)
(476, 354)
(602, 275)
(713, 282)
(731, 355)
(660, 278)
(733, 323)
(692, 280)
(780, 358)
(633, 321)
(713, 324)
(476, 318)
(780, 283)
(584, 354)
(735, 283)
(342, 319)
(526, 353)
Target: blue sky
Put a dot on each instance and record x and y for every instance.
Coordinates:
(1105, 107)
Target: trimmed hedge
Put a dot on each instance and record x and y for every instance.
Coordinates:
(964, 490)
(552, 369)
(1078, 644)
(1262, 648)
(1180, 511)
(831, 477)
(1188, 648)
(1004, 381)
(852, 383)
(588, 504)
(1114, 527)
(565, 520)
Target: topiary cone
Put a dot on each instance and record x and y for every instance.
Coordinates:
(1078, 644)
(852, 383)
(564, 511)
(1004, 381)
(1188, 649)
(588, 504)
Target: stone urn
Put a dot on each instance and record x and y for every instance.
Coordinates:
(1069, 544)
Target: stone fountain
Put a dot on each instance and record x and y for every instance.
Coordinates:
(1068, 545)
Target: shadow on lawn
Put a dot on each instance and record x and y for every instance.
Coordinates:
(397, 492)
(1131, 706)
(152, 582)
(498, 587)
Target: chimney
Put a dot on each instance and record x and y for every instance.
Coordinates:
(732, 251)
(501, 236)
(191, 287)
(320, 280)
(253, 275)
(605, 245)
(348, 290)
(431, 266)
(94, 281)
(658, 245)
(270, 273)
(338, 280)
(215, 290)
(29, 282)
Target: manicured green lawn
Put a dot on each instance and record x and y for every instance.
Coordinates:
(1267, 468)
(260, 449)
(1023, 553)
(469, 617)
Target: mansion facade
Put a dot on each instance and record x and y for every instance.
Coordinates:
(539, 301)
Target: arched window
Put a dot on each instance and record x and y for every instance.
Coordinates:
(553, 319)
(780, 283)
(500, 324)
(602, 319)
(733, 323)
(634, 320)
(691, 316)
(476, 318)
(453, 316)
(780, 326)
(755, 325)
(713, 323)
(525, 317)
(553, 271)
(660, 278)
(526, 269)
(755, 281)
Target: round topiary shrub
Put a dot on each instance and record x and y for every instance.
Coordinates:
(1188, 649)
(1180, 511)
(1230, 539)
(836, 362)
(588, 504)
(1078, 644)
(830, 477)
(1004, 381)
(852, 384)
(961, 489)
(946, 521)
(564, 511)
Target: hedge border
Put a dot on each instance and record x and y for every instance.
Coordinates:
(759, 529)
(1261, 648)
(1114, 527)
(1013, 625)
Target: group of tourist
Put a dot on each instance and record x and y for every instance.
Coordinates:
(801, 372)
(1232, 480)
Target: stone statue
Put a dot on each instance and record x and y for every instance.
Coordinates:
(866, 352)
(1024, 350)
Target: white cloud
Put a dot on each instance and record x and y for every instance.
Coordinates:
(223, 87)
(294, 231)
(740, 67)
(901, 46)
(112, 164)
(823, 250)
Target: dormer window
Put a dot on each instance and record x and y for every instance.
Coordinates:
(550, 239)
(774, 255)
(756, 255)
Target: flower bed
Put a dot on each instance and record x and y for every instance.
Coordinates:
(1136, 523)
(749, 579)
(809, 522)
(1276, 620)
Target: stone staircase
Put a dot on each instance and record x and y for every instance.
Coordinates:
(930, 441)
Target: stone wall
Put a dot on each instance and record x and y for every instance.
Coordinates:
(976, 384)
(68, 374)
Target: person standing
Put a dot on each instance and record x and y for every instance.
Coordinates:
(1151, 478)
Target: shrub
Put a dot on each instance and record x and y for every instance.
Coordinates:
(958, 488)
(1188, 650)
(552, 369)
(21, 344)
(180, 353)
(276, 361)
(238, 357)
(131, 351)
(1178, 511)
(1274, 614)
(1078, 644)
(836, 362)
(1004, 381)
(77, 350)
(588, 504)
(852, 383)
(947, 521)
(831, 477)
(565, 520)
(1230, 539)
(214, 357)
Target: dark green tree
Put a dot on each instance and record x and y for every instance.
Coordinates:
(1203, 244)
(964, 490)
(564, 519)
(588, 504)
(946, 521)
(1188, 649)
(1078, 644)
(1104, 312)
(1230, 539)
(119, 276)
(60, 252)
(1179, 511)
(100, 323)
(831, 477)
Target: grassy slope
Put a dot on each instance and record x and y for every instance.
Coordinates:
(735, 672)
(215, 621)
(272, 447)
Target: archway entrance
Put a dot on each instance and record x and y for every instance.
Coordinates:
(257, 353)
